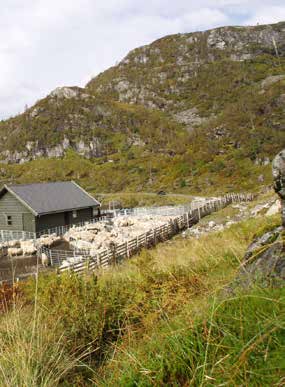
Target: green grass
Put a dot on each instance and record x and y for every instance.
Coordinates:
(149, 173)
(239, 341)
(161, 318)
(130, 200)
(32, 354)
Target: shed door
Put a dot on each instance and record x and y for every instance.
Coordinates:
(28, 222)
(66, 218)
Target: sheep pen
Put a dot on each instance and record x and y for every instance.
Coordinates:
(29, 255)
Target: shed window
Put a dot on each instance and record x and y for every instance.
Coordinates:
(94, 211)
(9, 220)
(74, 214)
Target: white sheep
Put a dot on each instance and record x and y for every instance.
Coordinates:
(48, 240)
(28, 247)
(80, 244)
(68, 262)
(29, 250)
(13, 243)
(84, 235)
(45, 260)
(93, 252)
(14, 251)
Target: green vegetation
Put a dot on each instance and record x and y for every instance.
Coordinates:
(114, 125)
(130, 200)
(31, 353)
(129, 115)
(160, 319)
(149, 173)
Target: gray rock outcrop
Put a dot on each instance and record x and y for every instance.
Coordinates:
(69, 92)
(278, 170)
(33, 150)
(264, 260)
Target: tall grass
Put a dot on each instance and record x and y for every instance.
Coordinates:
(31, 354)
(155, 320)
(240, 341)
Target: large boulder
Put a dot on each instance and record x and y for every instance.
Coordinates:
(264, 261)
(278, 170)
(275, 208)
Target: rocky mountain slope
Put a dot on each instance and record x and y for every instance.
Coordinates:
(208, 104)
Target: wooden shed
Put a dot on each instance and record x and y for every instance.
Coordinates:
(42, 206)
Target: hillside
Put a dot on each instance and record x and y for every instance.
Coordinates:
(188, 112)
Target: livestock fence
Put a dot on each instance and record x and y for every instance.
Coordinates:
(175, 210)
(162, 210)
(9, 235)
(84, 261)
(61, 230)
(57, 257)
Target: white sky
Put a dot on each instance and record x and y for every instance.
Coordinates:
(49, 43)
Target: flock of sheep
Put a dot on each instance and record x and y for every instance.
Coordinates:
(30, 247)
(105, 234)
(92, 237)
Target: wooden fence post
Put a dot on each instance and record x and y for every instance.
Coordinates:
(127, 249)
(87, 264)
(50, 257)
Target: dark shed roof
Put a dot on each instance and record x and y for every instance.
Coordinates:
(44, 198)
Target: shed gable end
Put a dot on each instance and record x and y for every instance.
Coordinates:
(11, 207)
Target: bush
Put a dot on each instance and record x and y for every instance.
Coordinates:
(92, 312)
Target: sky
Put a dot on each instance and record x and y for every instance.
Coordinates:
(50, 43)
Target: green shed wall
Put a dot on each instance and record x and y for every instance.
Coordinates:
(22, 218)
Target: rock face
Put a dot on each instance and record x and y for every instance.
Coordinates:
(190, 118)
(278, 169)
(187, 53)
(274, 209)
(271, 80)
(33, 150)
(180, 82)
(64, 92)
(265, 260)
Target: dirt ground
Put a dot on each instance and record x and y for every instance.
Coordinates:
(17, 267)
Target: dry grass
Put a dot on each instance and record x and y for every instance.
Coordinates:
(146, 322)
(31, 354)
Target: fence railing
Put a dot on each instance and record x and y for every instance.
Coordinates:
(125, 250)
(9, 235)
(149, 211)
(174, 210)
(61, 230)
(57, 257)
